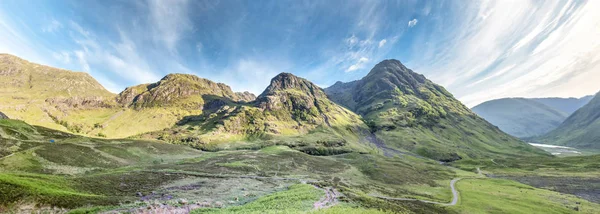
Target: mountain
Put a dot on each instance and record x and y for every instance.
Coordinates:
(181, 90)
(3, 116)
(409, 112)
(75, 102)
(567, 105)
(291, 111)
(579, 130)
(521, 117)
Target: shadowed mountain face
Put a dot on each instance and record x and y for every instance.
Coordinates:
(580, 130)
(567, 105)
(521, 117)
(410, 112)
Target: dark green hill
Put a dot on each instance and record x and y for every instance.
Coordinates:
(410, 112)
(520, 117)
(580, 130)
(567, 105)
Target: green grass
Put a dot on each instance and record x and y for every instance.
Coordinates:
(345, 209)
(573, 166)
(297, 199)
(505, 196)
(41, 189)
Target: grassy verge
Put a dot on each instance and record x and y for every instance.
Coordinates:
(505, 196)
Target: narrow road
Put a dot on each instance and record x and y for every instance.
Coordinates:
(452, 203)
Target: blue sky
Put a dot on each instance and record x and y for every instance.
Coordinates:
(478, 50)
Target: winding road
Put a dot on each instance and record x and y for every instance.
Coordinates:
(452, 203)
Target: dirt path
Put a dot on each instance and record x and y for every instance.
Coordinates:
(11, 154)
(330, 199)
(452, 203)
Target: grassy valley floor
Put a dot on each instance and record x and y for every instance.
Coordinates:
(43, 170)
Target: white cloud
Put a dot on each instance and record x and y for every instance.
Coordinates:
(170, 20)
(382, 42)
(252, 75)
(199, 47)
(121, 58)
(358, 65)
(63, 56)
(52, 27)
(518, 50)
(351, 41)
(412, 23)
(81, 57)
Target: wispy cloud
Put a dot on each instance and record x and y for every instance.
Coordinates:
(52, 26)
(525, 49)
(382, 42)
(412, 23)
(358, 65)
(63, 56)
(251, 74)
(170, 20)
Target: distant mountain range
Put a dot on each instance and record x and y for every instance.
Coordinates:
(580, 130)
(392, 109)
(566, 105)
(529, 117)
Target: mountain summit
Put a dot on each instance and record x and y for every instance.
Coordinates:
(410, 112)
(184, 90)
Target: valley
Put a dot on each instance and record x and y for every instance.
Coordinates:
(391, 142)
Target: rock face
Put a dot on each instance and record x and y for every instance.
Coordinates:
(3, 116)
(521, 117)
(179, 90)
(292, 93)
(580, 130)
(410, 112)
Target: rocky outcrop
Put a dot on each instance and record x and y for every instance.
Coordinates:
(179, 90)
(65, 103)
(245, 96)
(3, 116)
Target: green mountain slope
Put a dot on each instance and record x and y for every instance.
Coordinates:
(75, 102)
(520, 117)
(410, 112)
(580, 130)
(567, 105)
(291, 111)
(178, 90)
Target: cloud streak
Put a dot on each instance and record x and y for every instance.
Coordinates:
(522, 49)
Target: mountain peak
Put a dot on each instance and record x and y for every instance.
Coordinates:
(287, 81)
(185, 90)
